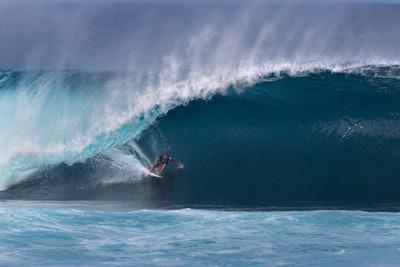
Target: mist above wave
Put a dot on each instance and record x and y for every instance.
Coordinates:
(158, 35)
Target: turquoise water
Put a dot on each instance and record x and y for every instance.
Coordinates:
(94, 233)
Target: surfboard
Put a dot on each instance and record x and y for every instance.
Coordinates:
(155, 175)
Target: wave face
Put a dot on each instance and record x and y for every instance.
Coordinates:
(320, 138)
(328, 138)
(261, 112)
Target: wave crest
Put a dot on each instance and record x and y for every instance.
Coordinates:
(70, 116)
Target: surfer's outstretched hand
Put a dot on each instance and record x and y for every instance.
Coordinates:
(180, 167)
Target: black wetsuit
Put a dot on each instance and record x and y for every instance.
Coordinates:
(162, 160)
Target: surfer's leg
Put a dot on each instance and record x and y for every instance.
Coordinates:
(162, 168)
(155, 165)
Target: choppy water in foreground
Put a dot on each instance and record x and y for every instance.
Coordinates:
(95, 233)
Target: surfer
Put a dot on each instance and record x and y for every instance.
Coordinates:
(163, 160)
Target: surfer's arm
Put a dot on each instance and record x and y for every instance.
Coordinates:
(179, 166)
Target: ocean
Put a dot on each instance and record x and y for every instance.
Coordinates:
(76, 234)
(285, 116)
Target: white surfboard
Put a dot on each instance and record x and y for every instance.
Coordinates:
(155, 175)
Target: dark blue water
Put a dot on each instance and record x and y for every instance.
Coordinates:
(324, 138)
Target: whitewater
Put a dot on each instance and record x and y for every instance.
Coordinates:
(285, 115)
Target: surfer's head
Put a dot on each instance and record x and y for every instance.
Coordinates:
(164, 154)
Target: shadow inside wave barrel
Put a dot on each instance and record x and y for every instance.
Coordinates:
(320, 141)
